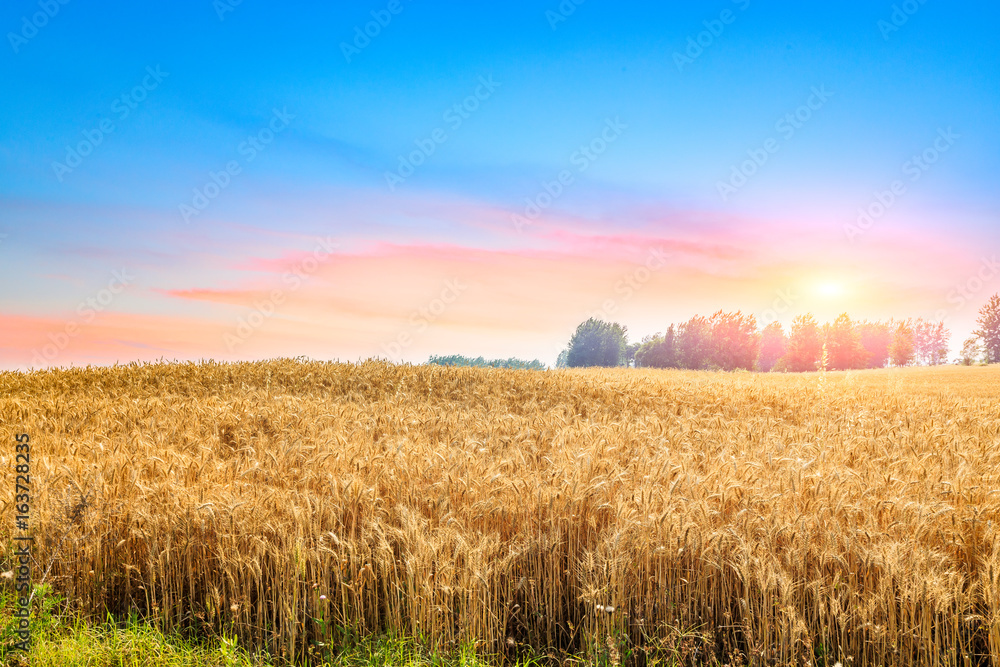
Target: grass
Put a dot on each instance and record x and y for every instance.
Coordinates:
(63, 639)
(819, 517)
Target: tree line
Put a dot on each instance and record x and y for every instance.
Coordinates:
(479, 362)
(732, 341)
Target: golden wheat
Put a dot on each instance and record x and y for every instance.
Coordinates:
(850, 515)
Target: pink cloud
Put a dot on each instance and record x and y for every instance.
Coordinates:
(524, 293)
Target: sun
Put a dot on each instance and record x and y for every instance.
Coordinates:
(830, 289)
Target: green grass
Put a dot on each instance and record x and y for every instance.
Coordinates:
(61, 639)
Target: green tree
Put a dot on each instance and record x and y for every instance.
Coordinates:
(805, 344)
(659, 351)
(773, 346)
(989, 328)
(694, 343)
(598, 343)
(479, 362)
(734, 340)
(903, 347)
(843, 345)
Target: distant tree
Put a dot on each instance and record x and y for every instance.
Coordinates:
(644, 355)
(921, 340)
(598, 343)
(903, 349)
(479, 362)
(989, 328)
(562, 359)
(876, 337)
(694, 343)
(630, 350)
(773, 345)
(939, 337)
(843, 345)
(659, 351)
(805, 344)
(455, 360)
(930, 342)
(735, 342)
(972, 351)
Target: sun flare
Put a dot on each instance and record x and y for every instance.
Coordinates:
(830, 289)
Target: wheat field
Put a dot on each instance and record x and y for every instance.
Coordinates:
(619, 514)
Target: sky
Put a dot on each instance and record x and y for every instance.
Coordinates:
(242, 179)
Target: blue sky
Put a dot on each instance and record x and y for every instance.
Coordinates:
(556, 84)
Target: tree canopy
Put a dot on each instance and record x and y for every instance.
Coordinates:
(598, 343)
(731, 341)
